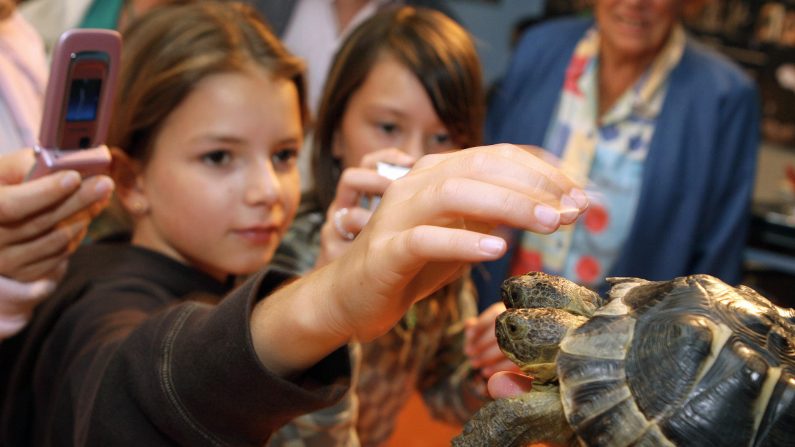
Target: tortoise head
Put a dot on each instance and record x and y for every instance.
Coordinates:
(531, 338)
(539, 290)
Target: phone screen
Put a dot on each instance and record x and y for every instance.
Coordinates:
(83, 100)
(87, 69)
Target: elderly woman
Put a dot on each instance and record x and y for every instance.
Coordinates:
(663, 131)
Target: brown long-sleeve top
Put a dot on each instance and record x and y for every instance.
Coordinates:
(135, 348)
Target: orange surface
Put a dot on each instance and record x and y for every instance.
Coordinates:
(416, 428)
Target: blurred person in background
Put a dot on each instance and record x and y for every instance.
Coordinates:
(662, 130)
(52, 17)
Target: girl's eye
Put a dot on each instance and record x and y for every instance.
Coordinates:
(441, 139)
(217, 158)
(388, 128)
(285, 158)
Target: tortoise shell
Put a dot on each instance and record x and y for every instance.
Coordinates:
(691, 361)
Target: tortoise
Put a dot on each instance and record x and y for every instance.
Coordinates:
(690, 361)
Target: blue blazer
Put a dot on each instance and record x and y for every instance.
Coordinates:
(694, 204)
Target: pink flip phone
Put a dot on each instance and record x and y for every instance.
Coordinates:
(77, 103)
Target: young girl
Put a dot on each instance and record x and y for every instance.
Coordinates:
(144, 343)
(405, 83)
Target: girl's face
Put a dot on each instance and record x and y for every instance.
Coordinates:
(636, 28)
(390, 110)
(222, 185)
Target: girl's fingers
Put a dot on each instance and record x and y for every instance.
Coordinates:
(391, 155)
(421, 236)
(356, 218)
(15, 166)
(477, 201)
(341, 227)
(347, 221)
(508, 384)
(438, 244)
(513, 168)
(431, 160)
(486, 354)
(23, 200)
(357, 181)
(485, 321)
(93, 192)
(24, 261)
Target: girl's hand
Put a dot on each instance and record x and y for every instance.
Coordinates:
(346, 217)
(437, 219)
(43, 221)
(481, 345)
(503, 385)
(429, 226)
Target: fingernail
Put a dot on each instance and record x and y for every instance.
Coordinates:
(546, 215)
(70, 180)
(569, 211)
(579, 198)
(491, 245)
(104, 186)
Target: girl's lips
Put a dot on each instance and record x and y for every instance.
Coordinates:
(257, 235)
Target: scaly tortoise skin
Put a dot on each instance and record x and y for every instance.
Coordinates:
(688, 362)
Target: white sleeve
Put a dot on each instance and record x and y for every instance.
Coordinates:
(17, 301)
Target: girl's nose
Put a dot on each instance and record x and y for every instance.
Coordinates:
(414, 145)
(262, 184)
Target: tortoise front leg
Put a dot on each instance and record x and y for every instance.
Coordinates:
(536, 416)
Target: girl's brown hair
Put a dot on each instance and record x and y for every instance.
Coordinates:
(171, 48)
(435, 48)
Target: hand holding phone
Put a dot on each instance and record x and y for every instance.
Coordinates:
(77, 103)
(44, 220)
(388, 170)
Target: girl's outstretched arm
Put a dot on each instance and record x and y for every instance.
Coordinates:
(430, 224)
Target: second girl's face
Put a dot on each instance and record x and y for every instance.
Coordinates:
(390, 110)
(222, 184)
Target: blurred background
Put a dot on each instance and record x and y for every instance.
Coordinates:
(757, 34)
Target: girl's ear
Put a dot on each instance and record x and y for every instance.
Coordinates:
(126, 172)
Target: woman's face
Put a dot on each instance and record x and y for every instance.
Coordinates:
(222, 185)
(390, 110)
(636, 28)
